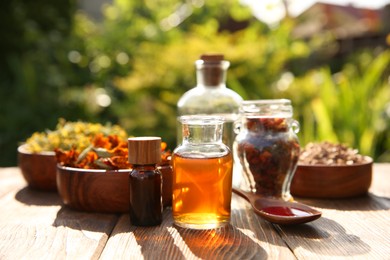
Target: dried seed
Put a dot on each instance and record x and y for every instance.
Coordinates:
(327, 153)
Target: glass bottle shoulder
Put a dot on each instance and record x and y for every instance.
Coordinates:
(209, 100)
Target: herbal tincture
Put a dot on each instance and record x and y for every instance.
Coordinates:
(145, 181)
(202, 175)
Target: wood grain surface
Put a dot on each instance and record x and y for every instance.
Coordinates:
(36, 225)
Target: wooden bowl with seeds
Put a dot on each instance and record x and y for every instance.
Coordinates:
(328, 170)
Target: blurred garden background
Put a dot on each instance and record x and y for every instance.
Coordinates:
(128, 62)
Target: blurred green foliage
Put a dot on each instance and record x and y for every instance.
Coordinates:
(161, 56)
(351, 106)
(132, 67)
(34, 69)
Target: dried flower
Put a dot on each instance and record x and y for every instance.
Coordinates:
(71, 135)
(105, 152)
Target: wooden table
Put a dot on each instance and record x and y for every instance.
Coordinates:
(35, 225)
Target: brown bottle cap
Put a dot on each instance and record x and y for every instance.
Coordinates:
(144, 150)
(212, 58)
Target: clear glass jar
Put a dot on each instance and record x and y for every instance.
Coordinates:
(266, 148)
(210, 96)
(202, 175)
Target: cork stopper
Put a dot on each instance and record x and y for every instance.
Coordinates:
(212, 58)
(144, 150)
(212, 68)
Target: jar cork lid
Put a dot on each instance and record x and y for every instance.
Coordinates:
(144, 150)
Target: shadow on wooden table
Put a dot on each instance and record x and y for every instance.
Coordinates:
(79, 220)
(221, 242)
(368, 202)
(323, 237)
(31, 196)
(168, 241)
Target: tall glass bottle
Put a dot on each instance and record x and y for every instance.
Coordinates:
(202, 175)
(210, 96)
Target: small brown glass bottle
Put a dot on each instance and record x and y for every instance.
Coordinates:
(145, 181)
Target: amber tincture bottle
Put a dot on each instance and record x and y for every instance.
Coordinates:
(145, 181)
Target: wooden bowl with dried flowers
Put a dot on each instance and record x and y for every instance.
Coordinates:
(96, 179)
(36, 157)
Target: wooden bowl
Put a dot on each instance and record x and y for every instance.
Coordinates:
(94, 190)
(102, 190)
(38, 169)
(334, 181)
(167, 176)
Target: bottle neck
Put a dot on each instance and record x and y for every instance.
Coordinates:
(202, 134)
(211, 74)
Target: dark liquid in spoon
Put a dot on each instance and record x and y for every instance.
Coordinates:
(286, 211)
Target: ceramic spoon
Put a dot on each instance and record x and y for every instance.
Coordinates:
(279, 211)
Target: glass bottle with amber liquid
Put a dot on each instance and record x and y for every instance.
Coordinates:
(145, 181)
(202, 175)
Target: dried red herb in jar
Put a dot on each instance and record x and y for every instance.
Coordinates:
(268, 153)
(267, 124)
